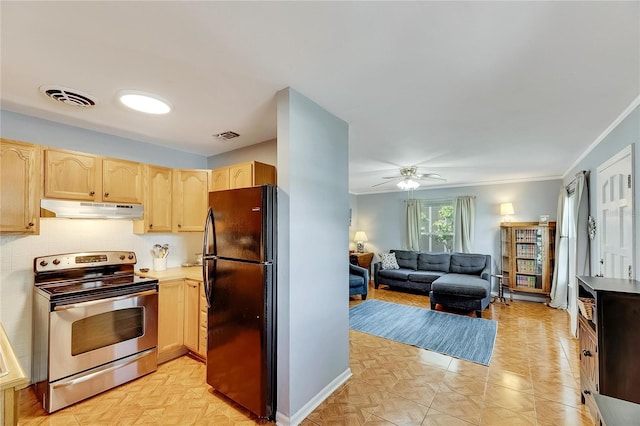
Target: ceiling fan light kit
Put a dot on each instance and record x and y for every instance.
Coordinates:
(409, 178)
(408, 184)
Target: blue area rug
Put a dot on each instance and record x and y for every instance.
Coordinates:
(471, 339)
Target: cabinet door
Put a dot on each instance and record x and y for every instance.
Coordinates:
(204, 312)
(241, 175)
(157, 209)
(72, 175)
(170, 319)
(19, 187)
(191, 200)
(122, 181)
(219, 179)
(191, 315)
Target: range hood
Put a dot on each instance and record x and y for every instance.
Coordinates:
(88, 210)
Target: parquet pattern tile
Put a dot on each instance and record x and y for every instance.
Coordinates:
(533, 379)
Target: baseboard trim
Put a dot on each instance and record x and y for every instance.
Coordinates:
(301, 414)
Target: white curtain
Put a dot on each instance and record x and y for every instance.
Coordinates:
(560, 280)
(463, 224)
(413, 225)
(572, 243)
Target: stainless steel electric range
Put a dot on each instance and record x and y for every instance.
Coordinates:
(95, 325)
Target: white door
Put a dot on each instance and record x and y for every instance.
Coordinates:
(615, 215)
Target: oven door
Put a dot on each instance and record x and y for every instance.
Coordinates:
(89, 334)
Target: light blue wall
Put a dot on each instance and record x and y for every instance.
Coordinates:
(624, 134)
(265, 152)
(48, 133)
(383, 217)
(313, 215)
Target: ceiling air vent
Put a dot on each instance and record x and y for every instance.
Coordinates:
(68, 96)
(225, 136)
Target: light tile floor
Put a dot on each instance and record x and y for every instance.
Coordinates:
(533, 379)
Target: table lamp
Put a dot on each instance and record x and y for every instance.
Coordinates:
(506, 210)
(360, 238)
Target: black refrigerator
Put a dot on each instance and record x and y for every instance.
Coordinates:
(239, 270)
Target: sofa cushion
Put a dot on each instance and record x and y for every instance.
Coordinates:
(406, 259)
(424, 276)
(396, 274)
(461, 285)
(389, 261)
(434, 261)
(467, 263)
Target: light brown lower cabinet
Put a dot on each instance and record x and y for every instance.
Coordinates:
(182, 319)
(171, 320)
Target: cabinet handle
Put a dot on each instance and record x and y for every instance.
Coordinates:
(586, 392)
(30, 225)
(150, 225)
(586, 352)
(92, 193)
(106, 194)
(179, 226)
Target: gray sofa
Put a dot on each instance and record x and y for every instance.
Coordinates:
(456, 280)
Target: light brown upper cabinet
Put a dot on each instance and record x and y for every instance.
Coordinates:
(72, 175)
(20, 166)
(219, 179)
(158, 189)
(78, 176)
(243, 175)
(121, 181)
(190, 199)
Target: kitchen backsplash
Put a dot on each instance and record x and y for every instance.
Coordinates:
(67, 236)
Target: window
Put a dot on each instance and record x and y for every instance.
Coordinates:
(436, 225)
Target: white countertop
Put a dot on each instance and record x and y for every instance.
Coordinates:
(16, 377)
(184, 272)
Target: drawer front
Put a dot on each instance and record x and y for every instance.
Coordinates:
(589, 380)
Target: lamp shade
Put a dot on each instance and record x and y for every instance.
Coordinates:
(360, 236)
(506, 208)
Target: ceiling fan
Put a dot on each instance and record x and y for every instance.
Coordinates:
(409, 178)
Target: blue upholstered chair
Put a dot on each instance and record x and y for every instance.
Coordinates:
(358, 281)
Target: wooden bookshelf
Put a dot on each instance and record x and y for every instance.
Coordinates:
(527, 253)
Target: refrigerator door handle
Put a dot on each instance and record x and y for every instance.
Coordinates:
(209, 280)
(205, 244)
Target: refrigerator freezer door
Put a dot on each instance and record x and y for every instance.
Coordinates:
(241, 220)
(240, 358)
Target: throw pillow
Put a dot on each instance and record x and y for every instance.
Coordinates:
(389, 261)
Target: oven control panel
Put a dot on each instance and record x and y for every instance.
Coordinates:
(58, 262)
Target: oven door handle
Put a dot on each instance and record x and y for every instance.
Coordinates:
(100, 301)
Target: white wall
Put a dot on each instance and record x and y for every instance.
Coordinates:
(313, 217)
(383, 216)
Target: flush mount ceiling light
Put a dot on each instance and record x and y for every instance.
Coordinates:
(144, 102)
(408, 183)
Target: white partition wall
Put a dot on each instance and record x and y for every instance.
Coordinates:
(313, 225)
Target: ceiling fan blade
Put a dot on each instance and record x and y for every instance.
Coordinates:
(391, 177)
(381, 183)
(432, 176)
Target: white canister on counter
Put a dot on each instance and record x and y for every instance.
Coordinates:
(159, 263)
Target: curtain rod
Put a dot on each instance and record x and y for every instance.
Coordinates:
(439, 199)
